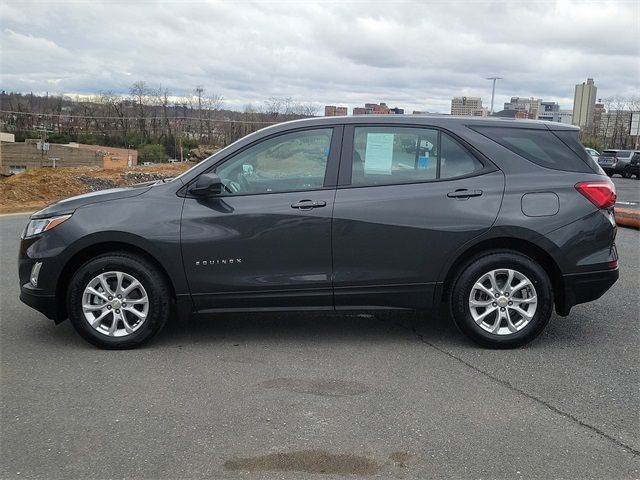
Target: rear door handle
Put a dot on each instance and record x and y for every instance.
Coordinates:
(308, 204)
(464, 193)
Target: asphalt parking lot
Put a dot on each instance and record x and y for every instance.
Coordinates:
(628, 190)
(322, 395)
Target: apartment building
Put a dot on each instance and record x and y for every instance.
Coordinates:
(584, 102)
(468, 106)
(333, 111)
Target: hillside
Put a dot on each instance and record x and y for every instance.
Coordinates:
(36, 188)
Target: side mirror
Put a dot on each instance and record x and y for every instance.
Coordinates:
(207, 184)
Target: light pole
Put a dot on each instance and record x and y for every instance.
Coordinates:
(129, 162)
(493, 90)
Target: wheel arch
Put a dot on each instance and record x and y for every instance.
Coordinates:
(518, 245)
(93, 250)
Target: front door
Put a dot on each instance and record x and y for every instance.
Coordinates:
(265, 242)
(409, 198)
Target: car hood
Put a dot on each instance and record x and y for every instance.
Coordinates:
(69, 205)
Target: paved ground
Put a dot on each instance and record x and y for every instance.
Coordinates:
(628, 190)
(388, 396)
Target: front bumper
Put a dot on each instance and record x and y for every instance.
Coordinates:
(42, 298)
(43, 303)
(585, 287)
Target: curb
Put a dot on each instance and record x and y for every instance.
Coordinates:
(627, 217)
(13, 214)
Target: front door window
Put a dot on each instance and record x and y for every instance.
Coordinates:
(292, 162)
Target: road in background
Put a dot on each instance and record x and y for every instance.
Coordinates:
(628, 190)
(385, 396)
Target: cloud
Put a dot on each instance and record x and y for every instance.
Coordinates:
(412, 54)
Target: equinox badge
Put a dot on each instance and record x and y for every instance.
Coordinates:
(219, 261)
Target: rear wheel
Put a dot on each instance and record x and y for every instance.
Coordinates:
(626, 173)
(118, 301)
(502, 299)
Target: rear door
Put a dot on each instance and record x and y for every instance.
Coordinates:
(407, 199)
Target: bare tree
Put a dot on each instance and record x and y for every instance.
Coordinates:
(140, 93)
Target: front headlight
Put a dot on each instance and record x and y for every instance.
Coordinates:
(36, 226)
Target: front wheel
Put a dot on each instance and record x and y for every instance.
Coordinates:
(502, 299)
(118, 300)
(626, 173)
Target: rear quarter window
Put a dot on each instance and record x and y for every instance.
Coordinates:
(559, 150)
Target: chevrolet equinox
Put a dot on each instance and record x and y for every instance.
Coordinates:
(501, 220)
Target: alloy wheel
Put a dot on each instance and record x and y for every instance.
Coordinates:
(503, 301)
(115, 304)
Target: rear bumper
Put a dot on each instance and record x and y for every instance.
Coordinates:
(585, 287)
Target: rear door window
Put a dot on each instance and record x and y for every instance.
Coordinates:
(456, 160)
(389, 155)
(541, 146)
(395, 155)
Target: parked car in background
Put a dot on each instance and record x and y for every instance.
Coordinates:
(486, 216)
(594, 153)
(634, 165)
(614, 161)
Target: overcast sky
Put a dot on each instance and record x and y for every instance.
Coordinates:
(415, 55)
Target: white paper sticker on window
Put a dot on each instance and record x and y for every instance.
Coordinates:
(379, 153)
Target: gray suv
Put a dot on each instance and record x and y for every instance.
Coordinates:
(616, 161)
(501, 220)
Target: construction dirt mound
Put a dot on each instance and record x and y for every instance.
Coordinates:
(38, 187)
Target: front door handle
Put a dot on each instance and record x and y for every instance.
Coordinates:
(308, 204)
(464, 193)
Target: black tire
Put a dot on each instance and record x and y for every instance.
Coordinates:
(483, 264)
(610, 174)
(154, 283)
(626, 173)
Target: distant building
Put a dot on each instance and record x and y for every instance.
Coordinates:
(598, 110)
(7, 137)
(565, 116)
(376, 109)
(424, 112)
(468, 106)
(548, 108)
(550, 111)
(584, 102)
(617, 130)
(511, 114)
(16, 157)
(333, 111)
(528, 107)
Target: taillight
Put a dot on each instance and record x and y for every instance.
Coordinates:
(601, 193)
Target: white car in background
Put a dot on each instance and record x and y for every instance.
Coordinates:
(594, 153)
